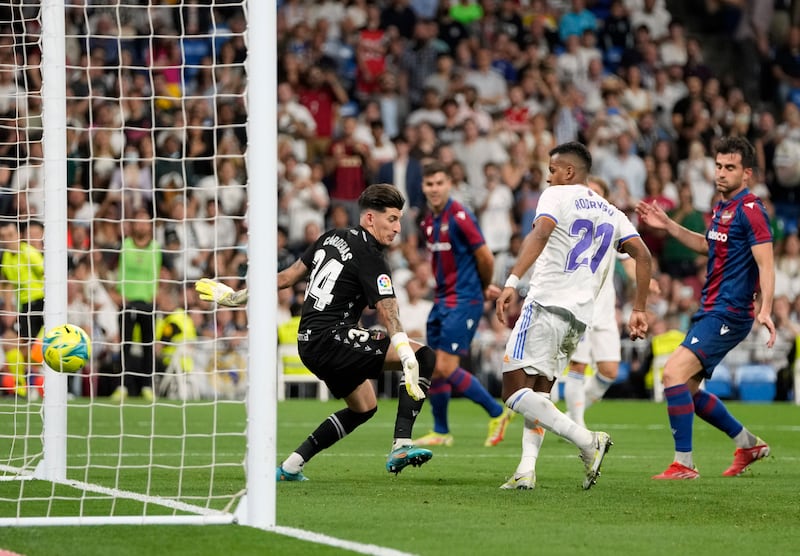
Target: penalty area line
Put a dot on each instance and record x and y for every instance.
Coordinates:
(319, 538)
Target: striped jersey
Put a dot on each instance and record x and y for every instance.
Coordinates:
(579, 257)
(732, 273)
(452, 237)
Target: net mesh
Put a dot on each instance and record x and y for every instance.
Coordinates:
(156, 135)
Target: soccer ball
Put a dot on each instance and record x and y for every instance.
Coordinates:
(66, 348)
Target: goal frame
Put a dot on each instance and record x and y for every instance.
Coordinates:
(257, 506)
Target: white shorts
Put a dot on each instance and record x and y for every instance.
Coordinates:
(599, 343)
(542, 341)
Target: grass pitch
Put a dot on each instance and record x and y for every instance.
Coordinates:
(452, 505)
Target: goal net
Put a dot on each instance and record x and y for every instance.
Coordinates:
(124, 167)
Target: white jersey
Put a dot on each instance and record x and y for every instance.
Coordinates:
(578, 258)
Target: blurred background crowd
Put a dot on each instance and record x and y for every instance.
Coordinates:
(369, 91)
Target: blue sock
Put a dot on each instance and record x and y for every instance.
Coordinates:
(681, 416)
(469, 387)
(710, 409)
(439, 398)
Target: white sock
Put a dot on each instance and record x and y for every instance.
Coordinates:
(532, 438)
(595, 388)
(294, 463)
(575, 396)
(400, 442)
(745, 439)
(538, 408)
(685, 458)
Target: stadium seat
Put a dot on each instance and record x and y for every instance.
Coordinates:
(721, 383)
(756, 383)
(292, 371)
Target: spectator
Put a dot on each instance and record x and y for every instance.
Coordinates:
(295, 120)
(346, 165)
(419, 60)
(577, 20)
(430, 111)
(139, 273)
(405, 172)
(677, 260)
(446, 81)
(306, 199)
(495, 214)
(321, 93)
(625, 164)
(474, 152)
(653, 16)
(698, 171)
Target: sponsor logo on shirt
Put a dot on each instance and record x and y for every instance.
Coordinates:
(717, 236)
(439, 246)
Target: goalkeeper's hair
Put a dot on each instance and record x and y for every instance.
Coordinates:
(381, 196)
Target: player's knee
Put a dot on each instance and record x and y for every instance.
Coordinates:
(426, 358)
(363, 417)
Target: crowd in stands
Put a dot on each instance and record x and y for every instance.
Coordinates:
(370, 91)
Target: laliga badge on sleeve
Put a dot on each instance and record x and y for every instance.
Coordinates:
(385, 285)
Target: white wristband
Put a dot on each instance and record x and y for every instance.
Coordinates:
(512, 281)
(399, 339)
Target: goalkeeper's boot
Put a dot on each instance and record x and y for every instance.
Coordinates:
(283, 475)
(435, 439)
(677, 472)
(497, 427)
(402, 457)
(592, 457)
(743, 457)
(520, 481)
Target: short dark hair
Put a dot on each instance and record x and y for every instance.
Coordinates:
(738, 145)
(575, 149)
(434, 168)
(381, 196)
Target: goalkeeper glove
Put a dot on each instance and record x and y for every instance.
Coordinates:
(210, 290)
(410, 365)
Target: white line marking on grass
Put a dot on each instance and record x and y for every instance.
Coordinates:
(319, 538)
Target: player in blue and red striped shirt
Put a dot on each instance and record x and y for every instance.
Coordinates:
(740, 265)
(463, 267)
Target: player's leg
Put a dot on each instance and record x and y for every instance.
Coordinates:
(680, 369)
(524, 477)
(404, 453)
(346, 370)
(361, 406)
(439, 393)
(459, 327)
(541, 346)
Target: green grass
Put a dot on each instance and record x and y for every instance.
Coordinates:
(452, 504)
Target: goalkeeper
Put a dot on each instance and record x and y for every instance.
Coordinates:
(347, 271)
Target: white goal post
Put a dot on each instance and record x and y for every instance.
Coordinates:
(168, 108)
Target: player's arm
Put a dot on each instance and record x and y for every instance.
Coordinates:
(288, 277)
(763, 255)
(389, 315)
(654, 216)
(484, 261)
(629, 266)
(532, 246)
(640, 254)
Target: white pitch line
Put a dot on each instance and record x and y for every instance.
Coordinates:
(319, 538)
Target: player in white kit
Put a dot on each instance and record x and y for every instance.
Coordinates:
(572, 245)
(600, 345)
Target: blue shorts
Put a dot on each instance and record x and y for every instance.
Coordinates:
(712, 336)
(451, 329)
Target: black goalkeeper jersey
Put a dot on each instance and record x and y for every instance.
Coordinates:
(348, 273)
